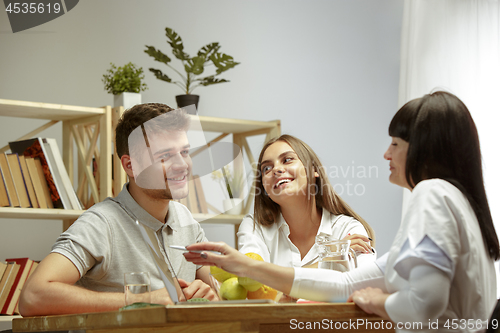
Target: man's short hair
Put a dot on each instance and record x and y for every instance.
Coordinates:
(141, 113)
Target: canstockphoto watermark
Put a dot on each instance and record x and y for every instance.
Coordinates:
(28, 14)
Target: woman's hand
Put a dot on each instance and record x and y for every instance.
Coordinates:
(370, 300)
(229, 259)
(359, 243)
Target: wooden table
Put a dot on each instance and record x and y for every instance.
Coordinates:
(214, 318)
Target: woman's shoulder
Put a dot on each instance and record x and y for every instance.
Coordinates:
(249, 224)
(437, 203)
(338, 219)
(436, 184)
(342, 224)
(436, 188)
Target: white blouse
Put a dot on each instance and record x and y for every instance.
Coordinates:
(440, 215)
(274, 245)
(437, 271)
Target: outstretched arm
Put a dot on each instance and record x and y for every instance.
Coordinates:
(319, 285)
(51, 290)
(233, 261)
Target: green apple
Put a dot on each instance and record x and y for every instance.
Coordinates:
(231, 289)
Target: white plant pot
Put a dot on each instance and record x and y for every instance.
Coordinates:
(232, 206)
(127, 100)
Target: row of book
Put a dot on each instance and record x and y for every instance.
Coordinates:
(13, 275)
(33, 176)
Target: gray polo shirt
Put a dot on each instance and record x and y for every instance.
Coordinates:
(104, 243)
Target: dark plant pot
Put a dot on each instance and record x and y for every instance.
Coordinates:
(185, 100)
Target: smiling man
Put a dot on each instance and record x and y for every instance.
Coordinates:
(85, 270)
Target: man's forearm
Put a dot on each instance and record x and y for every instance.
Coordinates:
(60, 298)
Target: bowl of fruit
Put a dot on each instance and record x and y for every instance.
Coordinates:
(232, 287)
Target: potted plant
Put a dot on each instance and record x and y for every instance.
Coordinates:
(125, 83)
(193, 66)
(233, 185)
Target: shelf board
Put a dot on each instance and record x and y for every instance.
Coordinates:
(4, 318)
(228, 125)
(22, 109)
(39, 213)
(70, 214)
(219, 219)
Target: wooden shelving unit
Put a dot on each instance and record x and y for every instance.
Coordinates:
(85, 127)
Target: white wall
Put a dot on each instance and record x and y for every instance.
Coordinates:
(328, 69)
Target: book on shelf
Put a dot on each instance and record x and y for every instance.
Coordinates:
(25, 266)
(51, 144)
(39, 183)
(8, 278)
(36, 148)
(33, 267)
(4, 197)
(18, 179)
(28, 182)
(56, 175)
(9, 182)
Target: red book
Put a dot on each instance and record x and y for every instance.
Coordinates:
(7, 281)
(35, 264)
(15, 291)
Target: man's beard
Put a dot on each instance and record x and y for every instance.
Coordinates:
(166, 194)
(158, 194)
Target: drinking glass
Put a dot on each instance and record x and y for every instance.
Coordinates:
(137, 288)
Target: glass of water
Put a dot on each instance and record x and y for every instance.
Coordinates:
(137, 288)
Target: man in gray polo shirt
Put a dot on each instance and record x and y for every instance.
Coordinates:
(84, 272)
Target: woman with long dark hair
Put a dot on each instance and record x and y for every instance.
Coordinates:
(294, 203)
(439, 272)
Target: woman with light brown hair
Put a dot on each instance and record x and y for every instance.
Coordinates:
(294, 203)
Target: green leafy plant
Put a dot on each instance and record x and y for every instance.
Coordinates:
(194, 66)
(128, 78)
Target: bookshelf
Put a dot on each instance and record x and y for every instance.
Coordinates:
(90, 130)
(81, 127)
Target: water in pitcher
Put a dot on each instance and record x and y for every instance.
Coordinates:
(334, 264)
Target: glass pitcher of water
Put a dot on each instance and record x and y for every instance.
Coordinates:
(335, 253)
